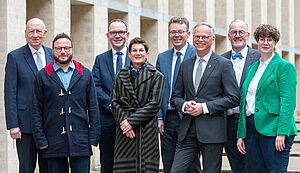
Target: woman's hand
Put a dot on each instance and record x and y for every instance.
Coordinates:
(279, 142)
(125, 126)
(241, 146)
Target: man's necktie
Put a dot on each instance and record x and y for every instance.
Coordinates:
(119, 62)
(198, 75)
(176, 69)
(237, 55)
(39, 62)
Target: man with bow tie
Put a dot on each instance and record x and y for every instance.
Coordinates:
(241, 56)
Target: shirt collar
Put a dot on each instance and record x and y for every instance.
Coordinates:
(124, 51)
(206, 57)
(266, 62)
(244, 51)
(56, 67)
(40, 50)
(182, 50)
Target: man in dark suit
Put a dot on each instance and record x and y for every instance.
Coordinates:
(106, 66)
(205, 88)
(241, 56)
(21, 67)
(168, 63)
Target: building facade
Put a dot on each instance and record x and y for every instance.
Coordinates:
(87, 21)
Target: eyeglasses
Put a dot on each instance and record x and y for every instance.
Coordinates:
(120, 33)
(135, 51)
(59, 49)
(234, 33)
(265, 39)
(202, 37)
(179, 32)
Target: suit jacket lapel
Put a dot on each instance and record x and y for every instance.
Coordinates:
(249, 60)
(271, 66)
(48, 55)
(110, 64)
(29, 59)
(208, 70)
(127, 59)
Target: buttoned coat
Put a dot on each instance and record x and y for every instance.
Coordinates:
(20, 71)
(104, 76)
(218, 89)
(164, 65)
(275, 99)
(67, 121)
(138, 103)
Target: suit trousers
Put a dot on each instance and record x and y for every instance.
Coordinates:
(261, 154)
(236, 159)
(169, 140)
(107, 144)
(189, 149)
(28, 154)
(62, 164)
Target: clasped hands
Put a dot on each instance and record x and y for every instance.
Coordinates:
(127, 129)
(193, 108)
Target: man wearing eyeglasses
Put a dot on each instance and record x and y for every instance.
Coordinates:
(21, 67)
(65, 116)
(168, 63)
(106, 66)
(204, 90)
(241, 56)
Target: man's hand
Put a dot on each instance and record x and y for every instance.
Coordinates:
(193, 108)
(15, 133)
(161, 127)
(241, 146)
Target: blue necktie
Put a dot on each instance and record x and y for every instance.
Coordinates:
(119, 62)
(176, 69)
(237, 55)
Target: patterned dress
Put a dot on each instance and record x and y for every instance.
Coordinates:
(137, 98)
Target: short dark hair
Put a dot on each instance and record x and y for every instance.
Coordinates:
(138, 40)
(59, 36)
(266, 30)
(180, 20)
(116, 20)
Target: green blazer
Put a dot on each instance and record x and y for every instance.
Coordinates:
(275, 99)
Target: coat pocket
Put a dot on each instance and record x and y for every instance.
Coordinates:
(273, 110)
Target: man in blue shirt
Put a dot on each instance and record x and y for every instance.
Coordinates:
(65, 118)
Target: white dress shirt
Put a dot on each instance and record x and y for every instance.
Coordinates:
(250, 98)
(41, 53)
(115, 57)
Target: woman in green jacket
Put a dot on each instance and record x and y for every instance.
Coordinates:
(267, 126)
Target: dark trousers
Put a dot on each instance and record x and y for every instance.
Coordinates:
(62, 164)
(189, 149)
(107, 143)
(236, 159)
(168, 143)
(27, 155)
(261, 153)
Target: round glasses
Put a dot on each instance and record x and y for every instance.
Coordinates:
(241, 33)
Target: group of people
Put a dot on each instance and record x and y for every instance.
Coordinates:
(198, 101)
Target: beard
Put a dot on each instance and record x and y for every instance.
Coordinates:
(66, 61)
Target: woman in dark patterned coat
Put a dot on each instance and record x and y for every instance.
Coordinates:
(136, 98)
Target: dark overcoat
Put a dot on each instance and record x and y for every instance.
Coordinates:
(66, 121)
(138, 102)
